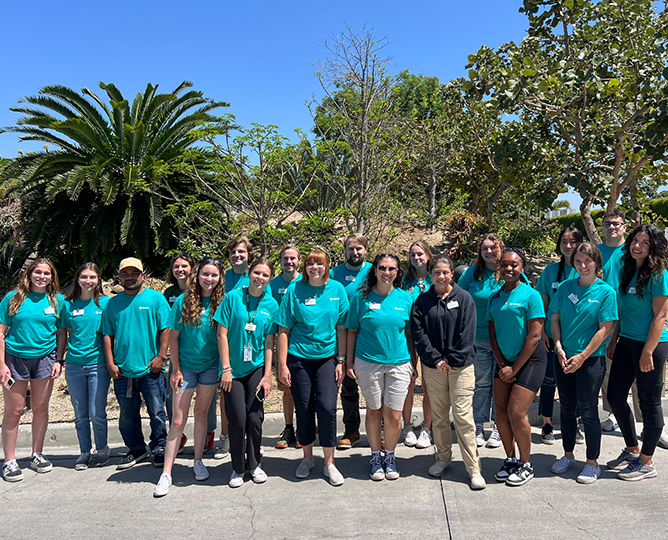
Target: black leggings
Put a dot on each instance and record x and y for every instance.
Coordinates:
(245, 414)
(625, 369)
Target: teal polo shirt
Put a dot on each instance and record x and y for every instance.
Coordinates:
(350, 279)
(612, 264)
(416, 287)
(636, 314)
(548, 284)
(279, 287)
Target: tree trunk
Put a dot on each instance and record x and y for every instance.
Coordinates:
(588, 221)
(633, 216)
(431, 209)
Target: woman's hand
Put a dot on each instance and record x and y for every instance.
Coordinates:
(176, 379)
(646, 362)
(339, 374)
(506, 374)
(55, 370)
(443, 366)
(610, 349)
(414, 375)
(351, 371)
(265, 383)
(284, 375)
(226, 381)
(4, 373)
(574, 363)
(561, 356)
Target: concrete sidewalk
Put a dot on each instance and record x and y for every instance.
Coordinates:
(105, 503)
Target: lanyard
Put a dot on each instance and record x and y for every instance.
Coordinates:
(251, 315)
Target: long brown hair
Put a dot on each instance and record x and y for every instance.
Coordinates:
(76, 290)
(23, 287)
(480, 262)
(592, 251)
(191, 313)
(410, 276)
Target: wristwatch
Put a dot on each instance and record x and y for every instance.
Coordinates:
(341, 359)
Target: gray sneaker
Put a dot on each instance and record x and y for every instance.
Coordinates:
(82, 462)
(589, 474)
(637, 470)
(223, 447)
(494, 440)
(562, 465)
(547, 434)
(11, 471)
(624, 459)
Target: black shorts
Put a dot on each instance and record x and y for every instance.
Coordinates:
(532, 373)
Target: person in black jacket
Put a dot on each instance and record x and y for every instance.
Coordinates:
(443, 324)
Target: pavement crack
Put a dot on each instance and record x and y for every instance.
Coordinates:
(445, 508)
(252, 519)
(556, 511)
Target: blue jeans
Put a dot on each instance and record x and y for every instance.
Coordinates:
(578, 395)
(483, 398)
(88, 387)
(152, 388)
(547, 389)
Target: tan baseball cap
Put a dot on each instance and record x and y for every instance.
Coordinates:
(131, 262)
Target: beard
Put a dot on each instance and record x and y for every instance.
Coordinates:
(354, 260)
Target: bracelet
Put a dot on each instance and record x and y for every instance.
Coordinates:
(228, 368)
(61, 362)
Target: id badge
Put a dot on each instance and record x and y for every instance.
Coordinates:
(632, 290)
(250, 327)
(49, 311)
(350, 278)
(374, 305)
(453, 304)
(77, 312)
(573, 298)
(248, 354)
(555, 285)
(310, 301)
(282, 290)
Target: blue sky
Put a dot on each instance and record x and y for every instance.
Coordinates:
(258, 56)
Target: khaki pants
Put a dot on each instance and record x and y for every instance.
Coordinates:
(453, 388)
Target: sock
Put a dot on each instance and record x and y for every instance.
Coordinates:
(375, 453)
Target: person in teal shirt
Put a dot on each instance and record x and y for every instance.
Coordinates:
(639, 347)
(515, 314)
(86, 373)
(246, 341)
(583, 313)
(481, 281)
(196, 362)
(379, 357)
(550, 278)
(351, 275)
(290, 259)
(238, 251)
(135, 348)
(416, 281)
(312, 355)
(31, 351)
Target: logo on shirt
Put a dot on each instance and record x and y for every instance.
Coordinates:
(144, 307)
(265, 313)
(399, 308)
(593, 301)
(332, 299)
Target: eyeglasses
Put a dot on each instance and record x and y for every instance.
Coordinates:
(383, 268)
(207, 260)
(613, 224)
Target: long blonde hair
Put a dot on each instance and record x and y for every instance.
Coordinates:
(23, 287)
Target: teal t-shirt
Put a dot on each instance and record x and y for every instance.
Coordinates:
(312, 315)
(279, 286)
(581, 309)
(350, 279)
(198, 345)
(135, 321)
(172, 293)
(547, 285)
(636, 315)
(511, 313)
(612, 264)
(32, 331)
(84, 319)
(480, 291)
(235, 281)
(416, 287)
(235, 311)
(381, 323)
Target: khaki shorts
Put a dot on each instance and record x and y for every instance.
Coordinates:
(383, 383)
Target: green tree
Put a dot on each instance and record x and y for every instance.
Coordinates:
(101, 193)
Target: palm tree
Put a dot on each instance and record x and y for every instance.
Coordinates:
(101, 194)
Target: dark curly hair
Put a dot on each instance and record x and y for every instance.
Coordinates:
(652, 267)
(372, 279)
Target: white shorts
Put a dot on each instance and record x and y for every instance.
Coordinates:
(383, 383)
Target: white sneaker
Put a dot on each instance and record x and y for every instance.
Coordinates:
(494, 440)
(236, 480)
(335, 477)
(409, 435)
(201, 473)
(479, 435)
(304, 468)
(162, 488)
(259, 476)
(424, 439)
(610, 423)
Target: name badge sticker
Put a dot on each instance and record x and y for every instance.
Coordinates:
(310, 301)
(555, 285)
(374, 305)
(573, 298)
(75, 313)
(452, 304)
(49, 311)
(172, 299)
(350, 278)
(248, 354)
(250, 327)
(282, 290)
(632, 290)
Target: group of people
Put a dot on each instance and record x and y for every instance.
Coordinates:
(487, 343)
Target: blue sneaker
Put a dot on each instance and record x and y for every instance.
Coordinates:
(376, 470)
(589, 474)
(391, 472)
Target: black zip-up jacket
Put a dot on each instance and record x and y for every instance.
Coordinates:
(444, 333)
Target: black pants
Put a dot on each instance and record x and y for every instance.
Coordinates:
(350, 400)
(578, 395)
(245, 414)
(314, 391)
(625, 369)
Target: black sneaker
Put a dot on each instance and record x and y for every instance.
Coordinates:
(11, 471)
(39, 463)
(130, 459)
(547, 434)
(521, 475)
(287, 438)
(508, 468)
(159, 457)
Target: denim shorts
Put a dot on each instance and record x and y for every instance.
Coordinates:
(206, 377)
(25, 369)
